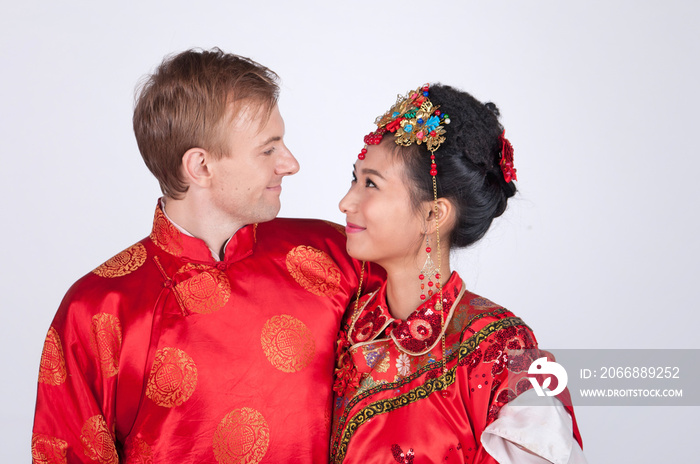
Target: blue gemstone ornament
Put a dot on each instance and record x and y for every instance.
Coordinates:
(432, 123)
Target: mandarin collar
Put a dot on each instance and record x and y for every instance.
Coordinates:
(419, 333)
(168, 238)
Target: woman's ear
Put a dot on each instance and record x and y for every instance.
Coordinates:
(445, 217)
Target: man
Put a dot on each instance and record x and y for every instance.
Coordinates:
(213, 339)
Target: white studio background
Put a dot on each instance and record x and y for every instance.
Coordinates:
(598, 250)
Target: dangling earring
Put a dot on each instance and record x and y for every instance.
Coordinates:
(427, 273)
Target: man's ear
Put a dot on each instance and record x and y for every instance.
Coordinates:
(195, 167)
(446, 216)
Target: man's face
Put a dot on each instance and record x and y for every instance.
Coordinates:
(247, 180)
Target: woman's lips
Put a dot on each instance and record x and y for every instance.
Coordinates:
(351, 228)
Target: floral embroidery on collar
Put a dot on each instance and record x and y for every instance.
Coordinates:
(419, 333)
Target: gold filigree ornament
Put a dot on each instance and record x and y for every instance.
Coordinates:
(412, 119)
(98, 442)
(206, 290)
(106, 341)
(242, 437)
(48, 450)
(52, 368)
(123, 263)
(173, 378)
(287, 343)
(314, 270)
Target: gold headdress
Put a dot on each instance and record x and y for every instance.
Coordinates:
(412, 119)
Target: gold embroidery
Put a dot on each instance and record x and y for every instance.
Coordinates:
(242, 437)
(206, 291)
(106, 341)
(165, 235)
(98, 443)
(343, 434)
(288, 344)
(173, 378)
(52, 370)
(48, 450)
(314, 270)
(337, 227)
(123, 263)
(138, 451)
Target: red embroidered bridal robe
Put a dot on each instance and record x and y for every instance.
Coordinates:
(392, 408)
(164, 355)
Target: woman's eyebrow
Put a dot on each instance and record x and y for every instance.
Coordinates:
(372, 171)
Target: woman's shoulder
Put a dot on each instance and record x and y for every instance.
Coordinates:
(474, 314)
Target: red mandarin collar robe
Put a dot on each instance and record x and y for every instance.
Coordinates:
(393, 403)
(164, 355)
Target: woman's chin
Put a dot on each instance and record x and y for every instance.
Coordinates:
(357, 253)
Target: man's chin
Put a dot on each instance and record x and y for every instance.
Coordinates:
(269, 213)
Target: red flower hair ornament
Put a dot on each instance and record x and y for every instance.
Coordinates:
(506, 162)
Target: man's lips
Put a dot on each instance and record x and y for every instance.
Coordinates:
(351, 228)
(276, 188)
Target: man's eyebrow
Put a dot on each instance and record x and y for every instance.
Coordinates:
(372, 171)
(275, 138)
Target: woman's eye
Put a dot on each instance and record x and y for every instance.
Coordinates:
(354, 178)
(369, 183)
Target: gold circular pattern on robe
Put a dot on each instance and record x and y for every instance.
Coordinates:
(165, 235)
(98, 443)
(287, 343)
(173, 378)
(314, 270)
(242, 437)
(106, 341)
(48, 450)
(206, 291)
(138, 451)
(52, 368)
(123, 263)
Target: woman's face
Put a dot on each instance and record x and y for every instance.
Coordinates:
(382, 226)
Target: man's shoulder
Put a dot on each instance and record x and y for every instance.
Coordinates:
(116, 277)
(307, 229)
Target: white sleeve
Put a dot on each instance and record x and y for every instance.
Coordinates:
(527, 434)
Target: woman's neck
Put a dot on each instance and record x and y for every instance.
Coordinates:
(403, 286)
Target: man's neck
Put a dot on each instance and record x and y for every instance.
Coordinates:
(198, 220)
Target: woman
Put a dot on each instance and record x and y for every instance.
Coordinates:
(426, 368)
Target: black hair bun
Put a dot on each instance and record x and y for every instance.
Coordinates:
(469, 172)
